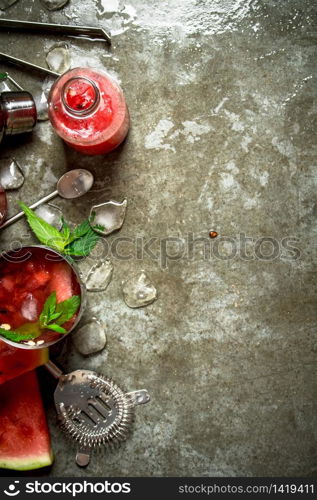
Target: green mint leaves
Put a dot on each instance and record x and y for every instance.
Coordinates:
(15, 336)
(53, 315)
(79, 242)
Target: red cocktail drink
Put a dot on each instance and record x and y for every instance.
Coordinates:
(88, 110)
(28, 277)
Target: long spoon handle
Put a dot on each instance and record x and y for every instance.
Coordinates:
(21, 214)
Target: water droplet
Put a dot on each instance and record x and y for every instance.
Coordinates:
(54, 4)
(4, 4)
(90, 338)
(58, 58)
(11, 175)
(40, 98)
(109, 216)
(99, 276)
(138, 290)
(51, 214)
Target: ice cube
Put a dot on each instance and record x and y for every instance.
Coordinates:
(99, 276)
(51, 214)
(90, 338)
(58, 58)
(109, 216)
(54, 4)
(11, 175)
(138, 290)
(29, 308)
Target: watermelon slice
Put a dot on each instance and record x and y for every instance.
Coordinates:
(24, 436)
(15, 361)
(61, 281)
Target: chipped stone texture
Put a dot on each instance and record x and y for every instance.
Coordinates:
(228, 352)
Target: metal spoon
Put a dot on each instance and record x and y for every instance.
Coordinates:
(73, 184)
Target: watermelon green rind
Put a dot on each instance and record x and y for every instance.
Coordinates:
(28, 463)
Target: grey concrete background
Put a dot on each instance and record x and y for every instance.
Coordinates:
(222, 97)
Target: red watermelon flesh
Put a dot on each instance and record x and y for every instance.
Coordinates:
(15, 361)
(24, 435)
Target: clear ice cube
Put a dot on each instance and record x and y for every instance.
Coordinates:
(29, 308)
(11, 175)
(58, 58)
(4, 4)
(54, 4)
(138, 290)
(99, 276)
(108, 217)
(90, 338)
(51, 214)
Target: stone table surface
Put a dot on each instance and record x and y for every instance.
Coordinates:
(222, 95)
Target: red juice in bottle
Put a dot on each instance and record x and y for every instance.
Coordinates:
(88, 110)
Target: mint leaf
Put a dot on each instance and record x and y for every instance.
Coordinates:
(67, 308)
(44, 232)
(99, 227)
(80, 230)
(56, 328)
(48, 310)
(65, 231)
(16, 336)
(83, 245)
(3, 76)
(55, 316)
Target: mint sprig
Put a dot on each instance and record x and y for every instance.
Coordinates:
(52, 317)
(79, 242)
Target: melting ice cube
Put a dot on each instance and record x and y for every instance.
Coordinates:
(11, 175)
(90, 338)
(51, 214)
(29, 308)
(108, 217)
(58, 58)
(54, 4)
(99, 276)
(138, 290)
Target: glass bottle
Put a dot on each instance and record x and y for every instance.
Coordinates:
(88, 111)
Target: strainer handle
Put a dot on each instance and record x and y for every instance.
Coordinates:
(53, 369)
(139, 397)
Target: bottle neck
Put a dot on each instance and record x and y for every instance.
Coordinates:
(80, 96)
